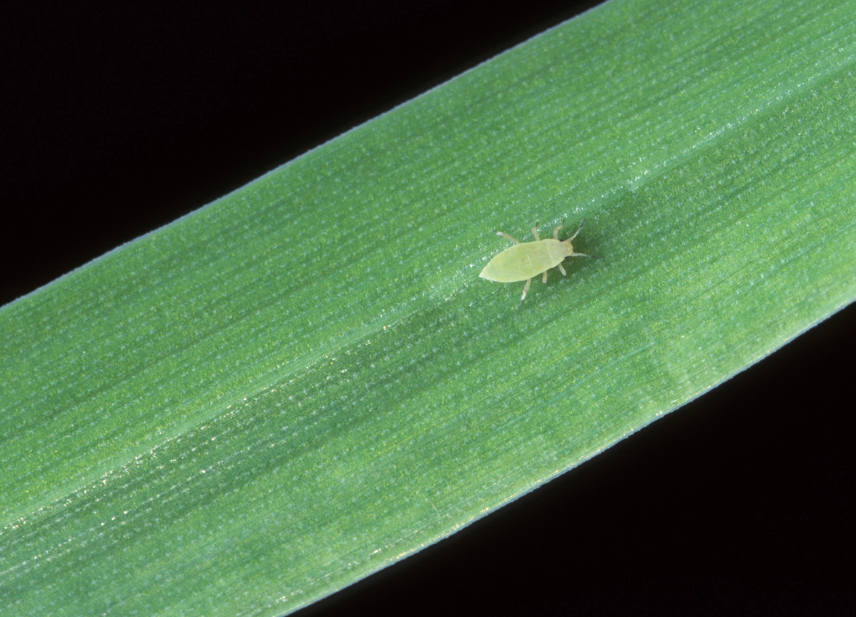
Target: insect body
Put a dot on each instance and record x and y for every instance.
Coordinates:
(524, 261)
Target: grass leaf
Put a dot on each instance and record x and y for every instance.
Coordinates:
(306, 380)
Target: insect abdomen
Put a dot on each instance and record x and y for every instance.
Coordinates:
(520, 262)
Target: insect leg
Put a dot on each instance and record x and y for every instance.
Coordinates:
(535, 232)
(506, 236)
(556, 231)
(562, 270)
(544, 278)
(525, 289)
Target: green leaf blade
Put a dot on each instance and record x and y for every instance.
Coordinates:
(306, 381)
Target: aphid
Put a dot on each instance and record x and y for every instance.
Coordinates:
(526, 260)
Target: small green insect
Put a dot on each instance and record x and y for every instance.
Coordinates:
(526, 260)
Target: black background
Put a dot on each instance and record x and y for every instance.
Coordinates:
(117, 120)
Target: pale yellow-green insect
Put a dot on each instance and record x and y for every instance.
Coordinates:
(526, 260)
